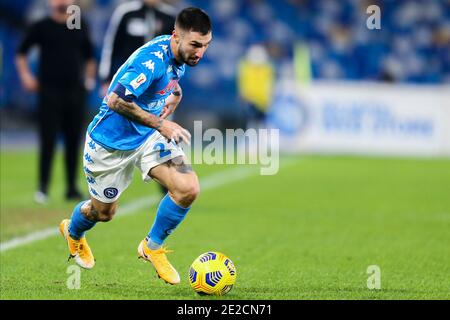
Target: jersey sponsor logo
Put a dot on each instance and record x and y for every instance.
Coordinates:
(164, 47)
(158, 54)
(168, 88)
(87, 170)
(92, 145)
(150, 65)
(156, 104)
(110, 192)
(88, 158)
(140, 79)
(90, 180)
(95, 193)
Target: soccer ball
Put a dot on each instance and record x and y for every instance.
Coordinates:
(212, 273)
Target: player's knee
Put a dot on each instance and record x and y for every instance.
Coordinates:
(192, 192)
(187, 193)
(103, 213)
(106, 214)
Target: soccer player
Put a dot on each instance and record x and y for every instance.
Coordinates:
(131, 130)
(133, 23)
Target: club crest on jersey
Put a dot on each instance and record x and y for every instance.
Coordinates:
(172, 83)
(140, 79)
(110, 192)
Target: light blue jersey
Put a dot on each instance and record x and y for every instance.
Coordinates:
(148, 77)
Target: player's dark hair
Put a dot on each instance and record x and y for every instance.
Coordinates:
(194, 19)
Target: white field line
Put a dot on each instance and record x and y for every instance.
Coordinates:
(210, 182)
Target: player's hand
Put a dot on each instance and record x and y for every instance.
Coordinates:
(104, 89)
(173, 131)
(89, 84)
(30, 82)
(167, 110)
(170, 106)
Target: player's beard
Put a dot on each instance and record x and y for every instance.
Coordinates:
(190, 61)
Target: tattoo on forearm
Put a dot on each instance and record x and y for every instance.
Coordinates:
(129, 110)
(134, 112)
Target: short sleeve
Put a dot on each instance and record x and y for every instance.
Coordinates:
(32, 37)
(140, 75)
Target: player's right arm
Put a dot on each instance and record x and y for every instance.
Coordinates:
(132, 111)
(29, 81)
(139, 75)
(32, 37)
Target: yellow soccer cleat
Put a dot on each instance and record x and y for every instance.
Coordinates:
(159, 261)
(79, 249)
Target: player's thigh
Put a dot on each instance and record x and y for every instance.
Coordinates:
(165, 162)
(108, 172)
(176, 175)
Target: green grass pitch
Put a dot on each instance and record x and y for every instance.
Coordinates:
(309, 232)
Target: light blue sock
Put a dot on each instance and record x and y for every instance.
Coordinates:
(168, 217)
(79, 224)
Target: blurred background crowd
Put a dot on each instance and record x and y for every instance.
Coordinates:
(412, 46)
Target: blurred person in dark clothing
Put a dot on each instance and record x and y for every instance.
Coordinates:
(132, 25)
(66, 69)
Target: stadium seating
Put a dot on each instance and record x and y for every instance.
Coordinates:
(412, 46)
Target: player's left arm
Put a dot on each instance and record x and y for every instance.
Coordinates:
(172, 102)
(89, 56)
